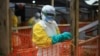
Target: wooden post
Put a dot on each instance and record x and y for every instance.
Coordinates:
(4, 28)
(74, 12)
(99, 31)
(52, 2)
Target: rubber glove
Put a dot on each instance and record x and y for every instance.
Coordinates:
(61, 37)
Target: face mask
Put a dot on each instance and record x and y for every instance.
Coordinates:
(49, 19)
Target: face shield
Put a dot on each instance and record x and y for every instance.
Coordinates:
(49, 17)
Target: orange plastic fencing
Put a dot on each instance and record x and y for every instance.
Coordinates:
(24, 52)
(22, 46)
(21, 43)
(60, 49)
(89, 47)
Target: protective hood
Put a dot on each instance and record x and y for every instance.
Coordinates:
(48, 13)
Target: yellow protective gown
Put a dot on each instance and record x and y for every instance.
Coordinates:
(41, 34)
(31, 21)
(14, 21)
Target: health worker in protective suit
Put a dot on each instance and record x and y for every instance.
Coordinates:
(46, 32)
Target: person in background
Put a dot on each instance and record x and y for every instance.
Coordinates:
(15, 41)
(31, 21)
(34, 19)
(14, 18)
(46, 32)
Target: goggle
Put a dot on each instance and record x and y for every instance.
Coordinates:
(49, 14)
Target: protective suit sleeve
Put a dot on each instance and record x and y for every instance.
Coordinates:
(61, 37)
(40, 37)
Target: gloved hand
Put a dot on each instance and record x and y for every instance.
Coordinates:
(61, 37)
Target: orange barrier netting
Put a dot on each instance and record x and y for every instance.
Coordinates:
(22, 46)
(89, 47)
(24, 52)
(21, 43)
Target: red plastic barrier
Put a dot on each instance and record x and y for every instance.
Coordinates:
(89, 47)
(24, 52)
(21, 41)
(22, 46)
